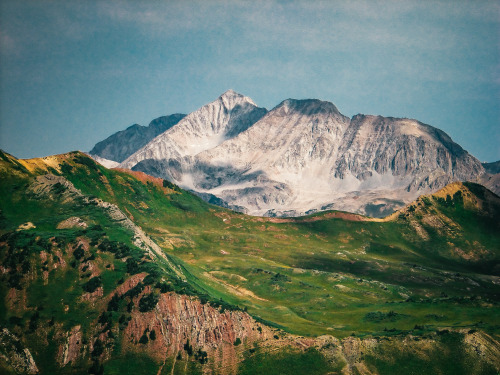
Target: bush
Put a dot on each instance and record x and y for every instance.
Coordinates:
(201, 356)
(135, 291)
(15, 321)
(149, 280)
(79, 252)
(152, 335)
(132, 266)
(96, 368)
(119, 249)
(114, 303)
(168, 184)
(278, 278)
(237, 341)
(88, 162)
(58, 188)
(164, 287)
(104, 318)
(66, 168)
(98, 348)
(188, 348)
(33, 325)
(148, 302)
(92, 284)
(377, 316)
(144, 338)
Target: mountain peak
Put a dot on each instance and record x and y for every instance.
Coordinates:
(308, 106)
(231, 93)
(232, 98)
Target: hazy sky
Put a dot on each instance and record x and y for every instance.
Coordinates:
(74, 72)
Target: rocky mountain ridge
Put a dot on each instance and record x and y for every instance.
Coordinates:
(304, 156)
(122, 144)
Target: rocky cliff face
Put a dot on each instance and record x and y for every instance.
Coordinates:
(122, 144)
(14, 356)
(303, 156)
(206, 128)
(180, 321)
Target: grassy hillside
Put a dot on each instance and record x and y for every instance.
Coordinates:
(431, 267)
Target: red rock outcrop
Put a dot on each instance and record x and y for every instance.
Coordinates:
(178, 319)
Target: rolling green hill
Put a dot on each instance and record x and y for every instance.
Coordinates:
(94, 260)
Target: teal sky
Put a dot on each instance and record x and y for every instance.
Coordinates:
(74, 72)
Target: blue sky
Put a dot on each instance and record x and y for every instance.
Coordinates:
(74, 72)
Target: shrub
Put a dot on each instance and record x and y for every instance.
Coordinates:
(33, 325)
(164, 287)
(135, 291)
(88, 162)
(188, 348)
(144, 338)
(66, 168)
(96, 368)
(79, 252)
(58, 188)
(114, 303)
(201, 356)
(279, 278)
(149, 280)
(91, 285)
(98, 348)
(152, 335)
(15, 321)
(168, 184)
(148, 302)
(132, 266)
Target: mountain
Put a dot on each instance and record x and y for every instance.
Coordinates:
(206, 128)
(122, 144)
(114, 271)
(493, 167)
(304, 156)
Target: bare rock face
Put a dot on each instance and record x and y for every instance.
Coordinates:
(71, 349)
(302, 157)
(72, 222)
(14, 355)
(180, 321)
(206, 128)
(104, 162)
(122, 144)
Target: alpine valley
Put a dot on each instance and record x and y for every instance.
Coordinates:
(368, 245)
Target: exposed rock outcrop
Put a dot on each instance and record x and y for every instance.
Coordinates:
(206, 128)
(15, 355)
(179, 320)
(72, 222)
(122, 144)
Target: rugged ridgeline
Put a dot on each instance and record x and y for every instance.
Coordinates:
(119, 146)
(304, 156)
(201, 130)
(129, 273)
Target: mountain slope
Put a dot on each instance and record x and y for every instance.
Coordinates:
(119, 146)
(129, 254)
(209, 126)
(493, 167)
(304, 156)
